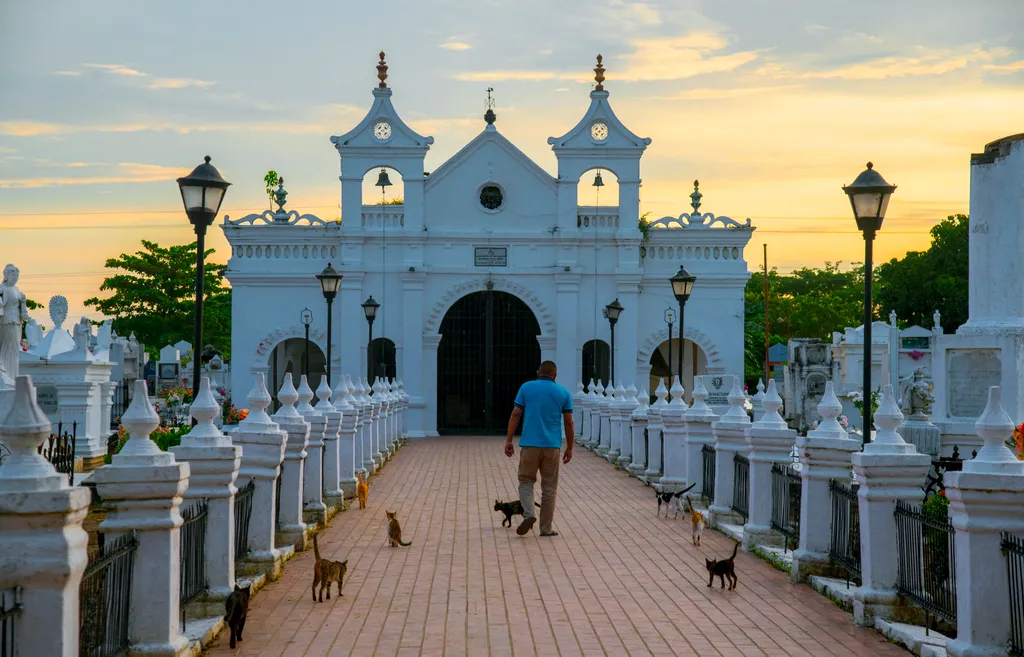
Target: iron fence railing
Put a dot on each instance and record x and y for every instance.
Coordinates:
(926, 561)
(844, 543)
(741, 486)
(10, 610)
(105, 599)
(1013, 552)
(277, 497)
(707, 490)
(786, 489)
(119, 403)
(243, 512)
(193, 548)
(59, 449)
(647, 447)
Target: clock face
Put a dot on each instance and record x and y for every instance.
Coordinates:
(599, 132)
(382, 130)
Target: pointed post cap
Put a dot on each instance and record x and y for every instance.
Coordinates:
(323, 395)
(760, 390)
(204, 409)
(305, 395)
(287, 396)
(23, 431)
(829, 409)
(592, 389)
(631, 395)
(736, 412)
(699, 407)
(661, 392)
(887, 418)
(677, 392)
(579, 389)
(139, 421)
(258, 399)
(771, 403)
(995, 427)
(643, 403)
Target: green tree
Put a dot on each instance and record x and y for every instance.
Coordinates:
(153, 296)
(271, 180)
(922, 282)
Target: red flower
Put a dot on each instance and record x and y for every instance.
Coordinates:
(942, 493)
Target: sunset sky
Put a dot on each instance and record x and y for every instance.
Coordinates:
(772, 105)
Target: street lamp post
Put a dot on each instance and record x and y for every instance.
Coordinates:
(612, 312)
(670, 319)
(202, 192)
(330, 281)
(370, 307)
(682, 286)
(306, 317)
(869, 197)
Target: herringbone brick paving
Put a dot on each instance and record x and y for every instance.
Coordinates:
(618, 581)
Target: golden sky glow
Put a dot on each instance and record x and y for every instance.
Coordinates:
(772, 106)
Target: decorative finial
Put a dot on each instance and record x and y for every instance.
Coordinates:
(599, 74)
(382, 72)
(489, 116)
(207, 159)
(280, 196)
(695, 197)
(870, 165)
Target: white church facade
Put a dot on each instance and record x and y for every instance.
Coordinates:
(488, 266)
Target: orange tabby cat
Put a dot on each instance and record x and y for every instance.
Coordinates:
(395, 530)
(697, 520)
(362, 490)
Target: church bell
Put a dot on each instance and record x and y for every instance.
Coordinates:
(382, 179)
(597, 180)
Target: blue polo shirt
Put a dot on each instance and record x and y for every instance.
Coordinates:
(543, 402)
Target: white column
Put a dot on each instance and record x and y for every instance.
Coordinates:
(142, 489)
(291, 529)
(366, 437)
(673, 476)
(44, 545)
(655, 425)
(384, 414)
(605, 408)
(985, 500)
(106, 391)
(638, 424)
(699, 418)
(770, 441)
(577, 413)
(262, 443)
(375, 437)
(314, 511)
(213, 461)
(74, 398)
(626, 328)
(352, 320)
(730, 439)
(825, 454)
(592, 420)
(888, 470)
(567, 287)
(615, 423)
(332, 458)
(347, 439)
(429, 386)
(629, 405)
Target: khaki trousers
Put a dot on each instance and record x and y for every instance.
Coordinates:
(546, 460)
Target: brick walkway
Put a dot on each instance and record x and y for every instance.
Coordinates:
(618, 581)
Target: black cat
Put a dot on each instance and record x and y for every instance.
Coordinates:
(237, 606)
(672, 500)
(513, 508)
(723, 569)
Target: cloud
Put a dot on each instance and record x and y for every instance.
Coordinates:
(815, 28)
(36, 129)
(561, 89)
(7, 149)
(719, 94)
(677, 58)
(117, 69)
(126, 172)
(179, 83)
(1012, 67)
(67, 72)
(451, 44)
(496, 76)
(921, 61)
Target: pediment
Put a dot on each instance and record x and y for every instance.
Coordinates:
(370, 132)
(600, 113)
(490, 138)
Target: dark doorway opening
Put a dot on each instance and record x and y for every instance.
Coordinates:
(382, 359)
(488, 349)
(596, 362)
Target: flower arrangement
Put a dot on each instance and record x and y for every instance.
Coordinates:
(232, 415)
(936, 505)
(175, 396)
(916, 355)
(164, 437)
(843, 422)
(1018, 441)
(857, 396)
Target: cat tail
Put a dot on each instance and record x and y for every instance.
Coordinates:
(735, 549)
(316, 548)
(404, 544)
(688, 488)
(536, 505)
(230, 608)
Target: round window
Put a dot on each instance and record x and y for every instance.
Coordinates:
(599, 131)
(491, 197)
(382, 131)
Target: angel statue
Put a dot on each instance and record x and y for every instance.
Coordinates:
(13, 311)
(921, 396)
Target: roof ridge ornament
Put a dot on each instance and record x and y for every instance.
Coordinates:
(599, 74)
(695, 197)
(382, 72)
(489, 116)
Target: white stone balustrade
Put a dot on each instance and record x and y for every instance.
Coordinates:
(655, 425)
(730, 432)
(142, 489)
(290, 526)
(403, 415)
(347, 442)
(825, 454)
(332, 459)
(699, 418)
(373, 402)
(577, 413)
(263, 446)
(629, 405)
(314, 511)
(605, 413)
(638, 424)
(44, 545)
(585, 406)
(985, 499)
(382, 402)
(393, 411)
(757, 399)
(596, 395)
(213, 465)
(615, 423)
(673, 476)
(888, 469)
(366, 415)
(770, 441)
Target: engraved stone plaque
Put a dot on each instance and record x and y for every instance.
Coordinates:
(718, 387)
(970, 372)
(490, 256)
(49, 401)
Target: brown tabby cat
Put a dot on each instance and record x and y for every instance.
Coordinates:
(362, 489)
(723, 569)
(697, 520)
(326, 571)
(395, 530)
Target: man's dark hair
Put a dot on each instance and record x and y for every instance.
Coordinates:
(548, 369)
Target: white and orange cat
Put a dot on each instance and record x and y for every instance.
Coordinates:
(362, 489)
(697, 522)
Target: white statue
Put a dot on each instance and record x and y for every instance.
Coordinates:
(892, 318)
(13, 310)
(82, 334)
(33, 333)
(937, 320)
(921, 396)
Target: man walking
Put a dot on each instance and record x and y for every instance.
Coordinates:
(545, 407)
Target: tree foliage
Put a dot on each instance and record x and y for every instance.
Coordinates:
(153, 296)
(922, 282)
(271, 181)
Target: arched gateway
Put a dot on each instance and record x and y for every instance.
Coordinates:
(488, 349)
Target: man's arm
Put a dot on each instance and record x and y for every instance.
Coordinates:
(570, 428)
(513, 424)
